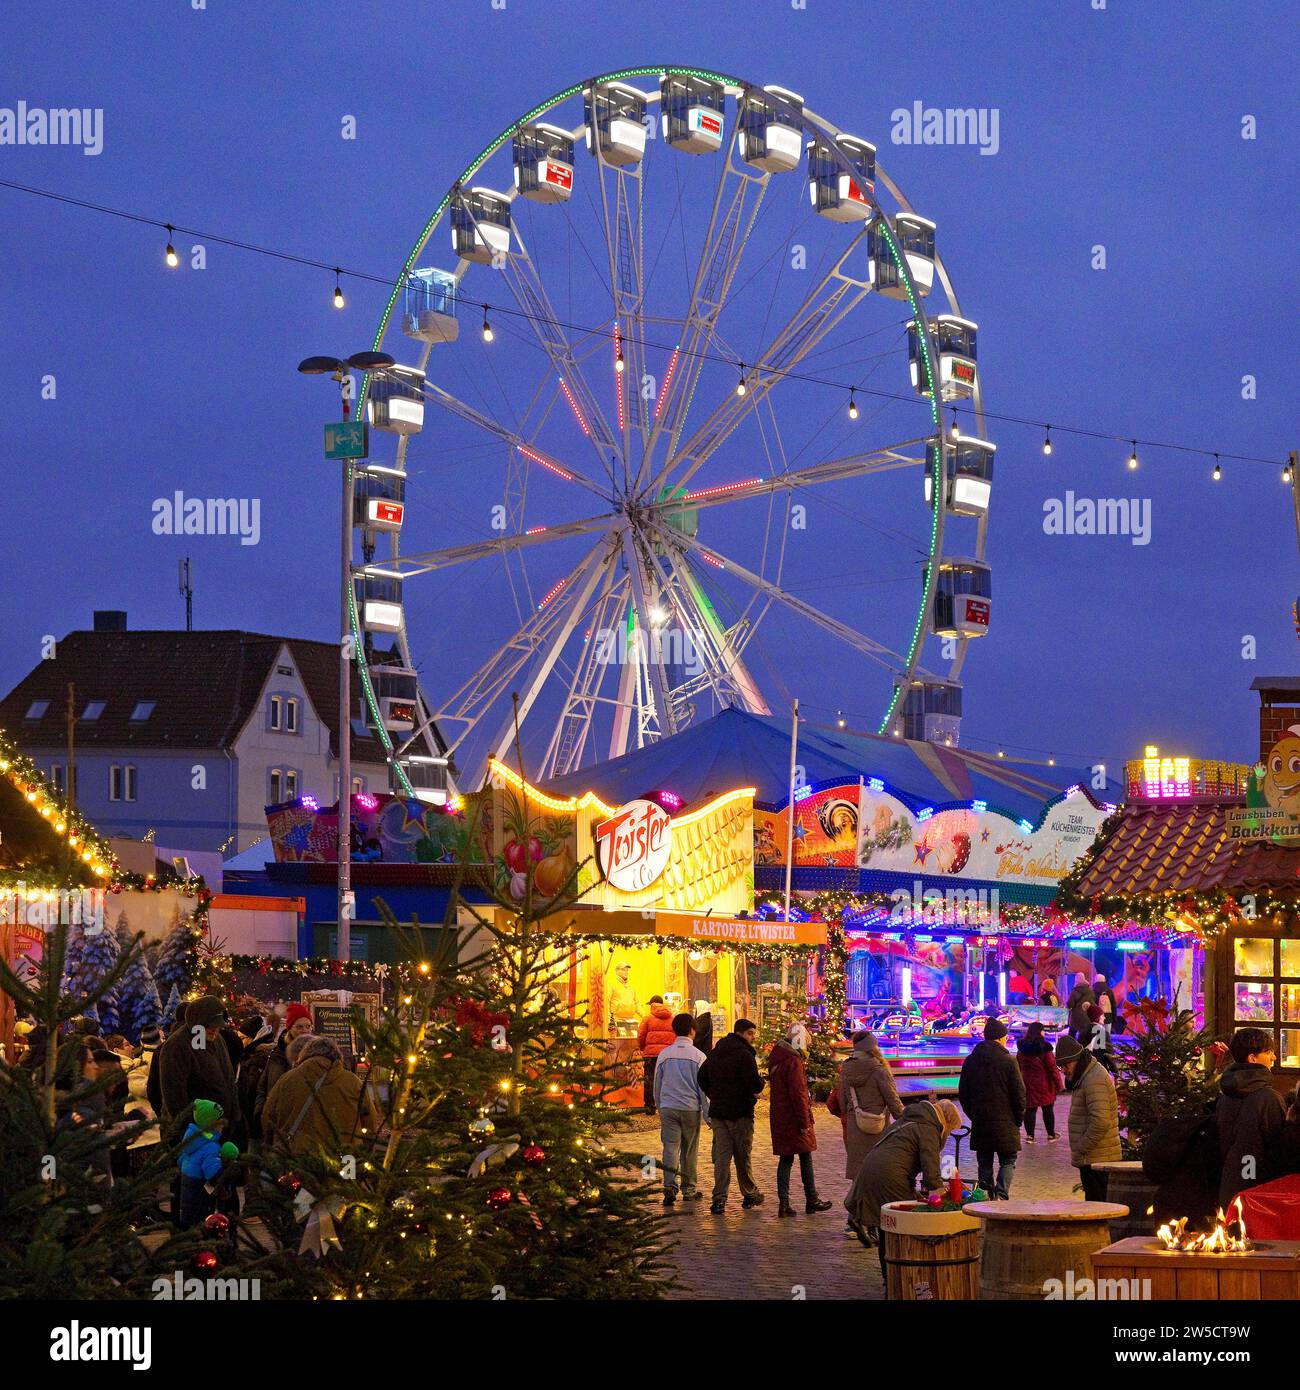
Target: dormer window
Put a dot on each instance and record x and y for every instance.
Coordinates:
(93, 710)
(36, 710)
(142, 711)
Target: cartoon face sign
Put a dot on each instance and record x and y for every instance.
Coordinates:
(1282, 774)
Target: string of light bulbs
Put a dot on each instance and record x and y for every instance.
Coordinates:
(172, 260)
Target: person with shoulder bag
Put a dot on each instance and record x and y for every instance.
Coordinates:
(866, 1098)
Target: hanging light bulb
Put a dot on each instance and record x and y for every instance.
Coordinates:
(1047, 441)
(1001, 754)
(741, 387)
(1051, 761)
(619, 364)
(853, 407)
(488, 334)
(1286, 472)
(173, 259)
(952, 433)
(1218, 472)
(1133, 457)
(338, 290)
(839, 718)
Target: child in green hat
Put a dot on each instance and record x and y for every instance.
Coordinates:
(201, 1160)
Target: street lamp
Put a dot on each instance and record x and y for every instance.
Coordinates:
(339, 369)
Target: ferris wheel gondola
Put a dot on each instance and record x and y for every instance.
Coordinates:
(631, 410)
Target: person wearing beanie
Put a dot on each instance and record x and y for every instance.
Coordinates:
(910, 1149)
(201, 1160)
(318, 1103)
(1094, 1114)
(269, 1062)
(729, 1077)
(992, 1093)
(193, 1064)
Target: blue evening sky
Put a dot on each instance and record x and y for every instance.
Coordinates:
(1119, 127)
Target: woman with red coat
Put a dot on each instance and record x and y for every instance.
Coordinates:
(1042, 1079)
(791, 1118)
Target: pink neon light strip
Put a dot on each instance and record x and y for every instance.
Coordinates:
(668, 380)
(545, 462)
(573, 405)
(552, 591)
(724, 487)
(618, 376)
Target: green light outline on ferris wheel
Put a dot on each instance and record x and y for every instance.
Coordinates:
(918, 317)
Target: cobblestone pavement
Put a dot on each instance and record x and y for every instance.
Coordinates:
(753, 1255)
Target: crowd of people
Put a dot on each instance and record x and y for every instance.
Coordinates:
(1253, 1134)
(216, 1088)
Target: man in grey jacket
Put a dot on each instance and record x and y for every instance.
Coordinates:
(682, 1105)
(1094, 1115)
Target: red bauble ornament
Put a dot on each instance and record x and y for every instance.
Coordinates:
(499, 1198)
(217, 1225)
(290, 1183)
(534, 1155)
(206, 1259)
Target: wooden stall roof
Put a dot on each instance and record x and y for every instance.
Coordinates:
(1185, 848)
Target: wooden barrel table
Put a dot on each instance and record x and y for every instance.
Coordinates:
(1028, 1244)
(929, 1254)
(1131, 1188)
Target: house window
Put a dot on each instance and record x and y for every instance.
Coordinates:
(142, 711)
(291, 715)
(277, 712)
(358, 785)
(93, 710)
(36, 710)
(121, 782)
(56, 776)
(276, 794)
(291, 786)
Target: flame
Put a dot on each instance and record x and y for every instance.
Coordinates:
(1220, 1241)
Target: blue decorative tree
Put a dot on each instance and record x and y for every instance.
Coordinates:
(95, 962)
(139, 1005)
(174, 968)
(169, 1010)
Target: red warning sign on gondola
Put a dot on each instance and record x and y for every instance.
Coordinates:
(977, 611)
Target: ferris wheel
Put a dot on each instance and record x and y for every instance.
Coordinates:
(649, 331)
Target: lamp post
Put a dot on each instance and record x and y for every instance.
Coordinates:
(340, 370)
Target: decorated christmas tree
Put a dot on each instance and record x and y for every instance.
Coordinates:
(496, 1172)
(1161, 1072)
(64, 1232)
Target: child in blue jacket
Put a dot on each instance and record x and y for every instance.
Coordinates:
(202, 1157)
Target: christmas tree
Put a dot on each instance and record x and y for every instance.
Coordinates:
(95, 964)
(177, 956)
(1161, 1072)
(496, 1172)
(64, 1232)
(139, 1006)
(169, 1009)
